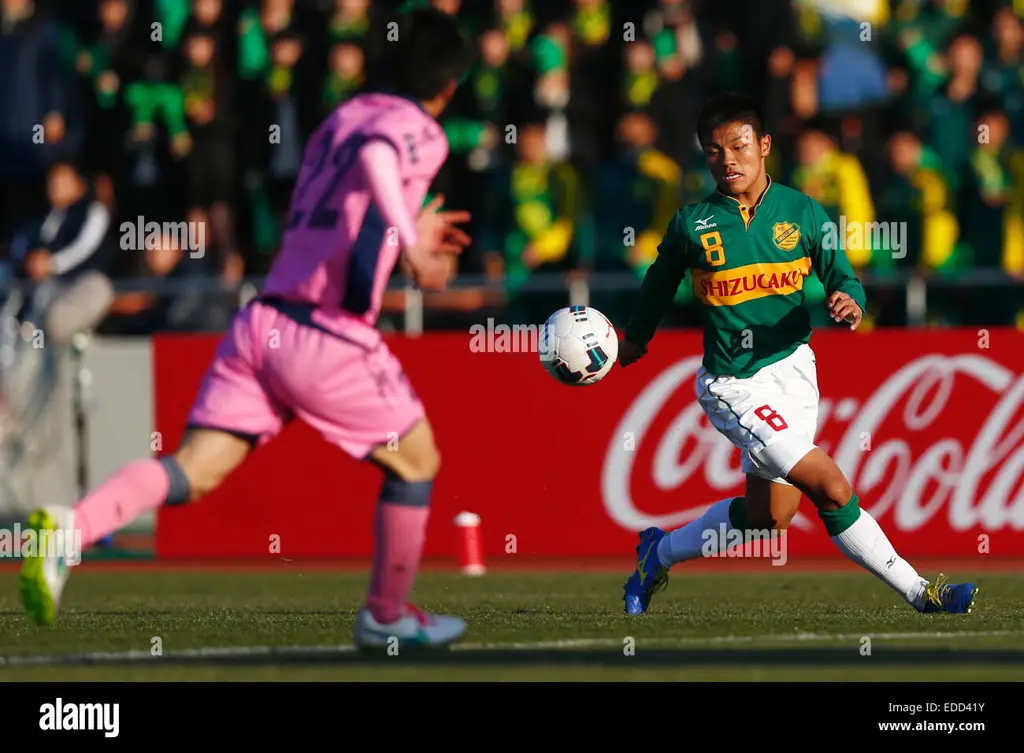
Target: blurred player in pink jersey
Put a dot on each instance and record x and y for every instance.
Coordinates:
(307, 347)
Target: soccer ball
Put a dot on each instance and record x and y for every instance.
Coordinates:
(578, 346)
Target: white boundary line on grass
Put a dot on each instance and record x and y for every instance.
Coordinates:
(271, 652)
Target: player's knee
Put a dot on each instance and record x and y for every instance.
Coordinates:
(833, 492)
(422, 465)
(199, 477)
(415, 458)
(205, 459)
(407, 492)
(817, 476)
(179, 485)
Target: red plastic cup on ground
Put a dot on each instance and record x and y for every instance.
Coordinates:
(471, 548)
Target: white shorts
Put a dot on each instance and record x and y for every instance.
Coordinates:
(772, 416)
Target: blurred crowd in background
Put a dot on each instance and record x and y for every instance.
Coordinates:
(572, 140)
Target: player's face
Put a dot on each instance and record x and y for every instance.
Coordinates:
(735, 156)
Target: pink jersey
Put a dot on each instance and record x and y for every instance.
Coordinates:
(337, 252)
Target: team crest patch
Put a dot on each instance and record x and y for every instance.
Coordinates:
(786, 235)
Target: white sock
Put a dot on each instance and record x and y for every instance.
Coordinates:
(690, 541)
(865, 543)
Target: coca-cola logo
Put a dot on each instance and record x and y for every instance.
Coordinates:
(941, 433)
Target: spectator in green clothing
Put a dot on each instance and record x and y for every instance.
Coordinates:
(480, 113)
(256, 27)
(207, 84)
(917, 45)
(950, 112)
(640, 79)
(916, 193)
(936, 21)
(172, 15)
(637, 194)
(530, 221)
(349, 21)
(1003, 72)
(105, 64)
(517, 19)
(988, 193)
(280, 115)
(992, 231)
(592, 22)
(480, 125)
(836, 180)
(346, 73)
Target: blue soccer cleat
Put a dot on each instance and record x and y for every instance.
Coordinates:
(650, 575)
(957, 598)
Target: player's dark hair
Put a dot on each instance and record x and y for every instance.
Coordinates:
(425, 51)
(729, 108)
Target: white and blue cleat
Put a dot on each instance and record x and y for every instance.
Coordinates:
(650, 575)
(954, 598)
(413, 629)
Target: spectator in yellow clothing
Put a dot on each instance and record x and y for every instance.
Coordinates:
(636, 196)
(529, 220)
(992, 235)
(837, 181)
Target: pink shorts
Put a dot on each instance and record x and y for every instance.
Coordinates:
(272, 368)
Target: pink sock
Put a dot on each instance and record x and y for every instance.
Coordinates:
(139, 486)
(400, 532)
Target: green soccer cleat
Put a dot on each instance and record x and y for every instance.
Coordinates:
(45, 569)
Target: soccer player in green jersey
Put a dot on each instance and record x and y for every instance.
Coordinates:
(748, 248)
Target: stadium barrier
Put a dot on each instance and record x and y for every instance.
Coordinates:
(927, 424)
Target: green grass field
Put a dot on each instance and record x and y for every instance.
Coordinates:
(296, 623)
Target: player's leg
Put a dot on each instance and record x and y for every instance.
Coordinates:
(733, 406)
(232, 413)
(358, 399)
(204, 460)
(723, 400)
(855, 532)
(764, 506)
(410, 467)
(858, 535)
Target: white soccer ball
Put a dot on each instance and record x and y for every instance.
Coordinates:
(578, 346)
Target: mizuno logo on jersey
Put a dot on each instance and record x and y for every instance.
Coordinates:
(729, 287)
(705, 223)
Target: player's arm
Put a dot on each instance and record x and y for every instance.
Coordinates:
(381, 164)
(846, 297)
(657, 291)
(424, 239)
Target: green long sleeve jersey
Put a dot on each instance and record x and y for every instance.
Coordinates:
(747, 266)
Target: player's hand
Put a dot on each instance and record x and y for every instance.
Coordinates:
(630, 353)
(845, 309)
(432, 262)
(438, 229)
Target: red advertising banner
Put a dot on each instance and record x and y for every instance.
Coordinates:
(927, 425)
